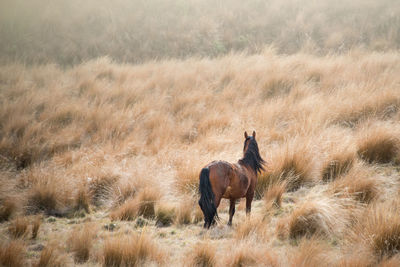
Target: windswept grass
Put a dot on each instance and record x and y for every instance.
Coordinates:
(202, 254)
(11, 254)
(131, 251)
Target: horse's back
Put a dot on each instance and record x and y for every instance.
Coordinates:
(227, 180)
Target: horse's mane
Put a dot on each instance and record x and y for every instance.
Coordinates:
(252, 157)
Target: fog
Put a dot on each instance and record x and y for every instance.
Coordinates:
(69, 32)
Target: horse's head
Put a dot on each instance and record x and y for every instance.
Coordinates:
(247, 140)
(251, 155)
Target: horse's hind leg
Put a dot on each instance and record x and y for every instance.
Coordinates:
(231, 210)
(249, 199)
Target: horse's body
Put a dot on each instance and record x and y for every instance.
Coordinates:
(220, 179)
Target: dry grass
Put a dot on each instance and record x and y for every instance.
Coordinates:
(19, 227)
(131, 251)
(127, 142)
(165, 214)
(378, 145)
(318, 215)
(81, 242)
(311, 252)
(51, 257)
(36, 226)
(82, 200)
(7, 209)
(293, 164)
(184, 212)
(358, 183)
(273, 195)
(379, 229)
(337, 165)
(245, 254)
(141, 205)
(11, 254)
(101, 188)
(251, 228)
(202, 255)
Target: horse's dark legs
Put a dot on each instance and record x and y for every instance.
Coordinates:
(249, 199)
(231, 210)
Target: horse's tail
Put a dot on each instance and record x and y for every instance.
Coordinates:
(207, 200)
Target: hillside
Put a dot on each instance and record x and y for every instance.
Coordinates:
(100, 160)
(136, 31)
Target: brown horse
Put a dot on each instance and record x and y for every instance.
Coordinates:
(220, 179)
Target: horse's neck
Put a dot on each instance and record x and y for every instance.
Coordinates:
(245, 168)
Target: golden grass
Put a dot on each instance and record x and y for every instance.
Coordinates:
(251, 228)
(358, 183)
(378, 145)
(19, 227)
(379, 229)
(81, 242)
(11, 254)
(273, 195)
(51, 256)
(128, 141)
(311, 252)
(337, 165)
(202, 254)
(244, 254)
(165, 214)
(82, 199)
(294, 164)
(318, 215)
(37, 221)
(131, 251)
(184, 212)
(141, 205)
(7, 208)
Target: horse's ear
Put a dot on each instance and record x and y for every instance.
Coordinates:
(245, 135)
(254, 134)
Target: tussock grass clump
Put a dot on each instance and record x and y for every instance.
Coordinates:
(12, 254)
(51, 257)
(187, 178)
(19, 227)
(43, 197)
(293, 164)
(184, 212)
(379, 229)
(273, 195)
(202, 255)
(7, 209)
(311, 252)
(127, 211)
(165, 214)
(390, 261)
(359, 184)
(101, 188)
(246, 254)
(318, 215)
(82, 199)
(80, 243)
(251, 227)
(147, 198)
(378, 145)
(131, 251)
(141, 205)
(36, 226)
(337, 165)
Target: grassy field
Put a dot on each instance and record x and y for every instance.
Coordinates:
(100, 152)
(135, 31)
